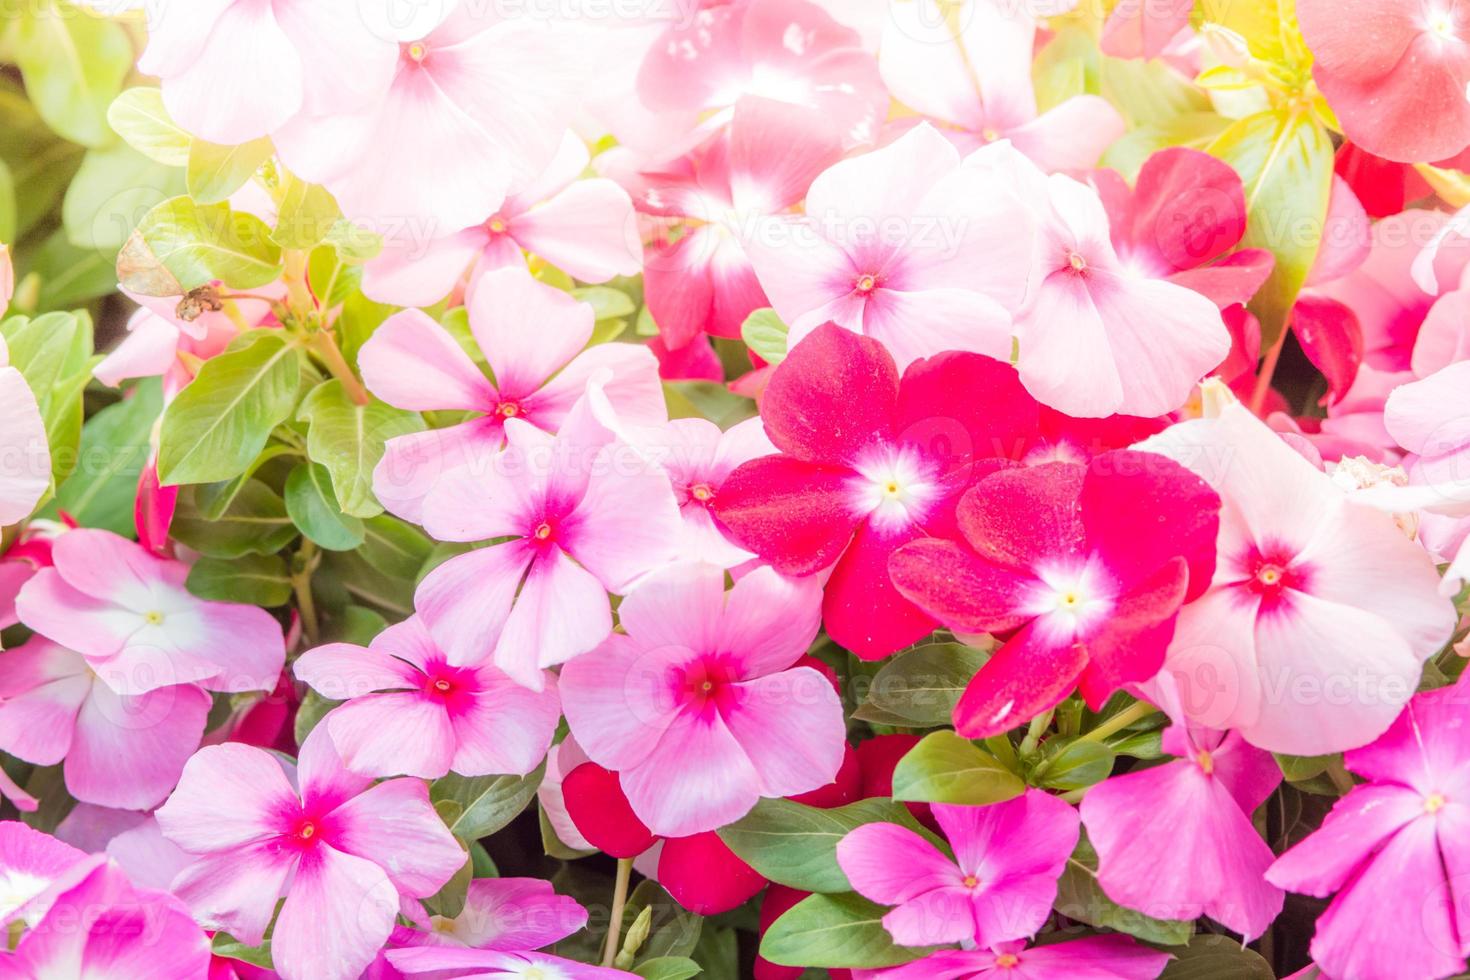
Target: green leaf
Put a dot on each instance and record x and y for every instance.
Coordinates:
(313, 508)
(306, 216)
(216, 172)
(354, 243)
(9, 215)
(74, 64)
(1080, 897)
(709, 400)
(796, 845)
(331, 279)
(667, 968)
(195, 244)
(922, 687)
(674, 931)
(260, 580)
(255, 523)
(41, 164)
(115, 447)
(1300, 768)
(1285, 159)
(1076, 764)
(835, 931)
(607, 303)
(449, 900)
(766, 333)
(227, 946)
(1215, 957)
(219, 424)
(478, 806)
(70, 276)
(112, 191)
(140, 118)
(348, 439)
(53, 353)
(945, 768)
(313, 709)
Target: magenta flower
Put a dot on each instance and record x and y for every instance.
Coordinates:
(119, 750)
(1176, 840)
(97, 924)
(999, 886)
(1393, 851)
(511, 915)
(488, 963)
(127, 612)
(25, 455)
(533, 338)
(409, 712)
(1312, 633)
(1085, 567)
(904, 245)
(29, 862)
(1109, 957)
(698, 707)
(343, 851)
(583, 514)
(869, 463)
(585, 228)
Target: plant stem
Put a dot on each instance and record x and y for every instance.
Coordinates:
(326, 347)
(1340, 777)
(301, 584)
(297, 292)
(1038, 727)
(619, 902)
(1134, 712)
(1268, 371)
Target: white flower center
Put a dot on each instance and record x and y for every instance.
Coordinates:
(894, 488)
(1068, 602)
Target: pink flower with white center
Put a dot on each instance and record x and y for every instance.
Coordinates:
(1393, 851)
(584, 514)
(586, 228)
(967, 67)
(1321, 612)
(126, 611)
(98, 925)
(512, 915)
(999, 886)
(477, 104)
(906, 246)
(698, 707)
(119, 750)
(788, 51)
(409, 712)
(486, 964)
(235, 70)
(25, 454)
(698, 458)
(761, 165)
(1097, 338)
(534, 339)
(1108, 957)
(29, 862)
(343, 851)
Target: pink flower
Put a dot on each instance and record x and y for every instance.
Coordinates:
(487, 963)
(583, 514)
(1000, 885)
(235, 70)
(1311, 636)
(1144, 28)
(1394, 72)
(1176, 840)
(342, 851)
(1393, 851)
(127, 612)
(869, 463)
(698, 707)
(477, 103)
(119, 750)
(430, 717)
(25, 455)
(30, 862)
(717, 196)
(585, 228)
(98, 925)
(1082, 347)
(1108, 957)
(905, 245)
(533, 337)
(968, 68)
(511, 915)
(788, 50)
(1083, 567)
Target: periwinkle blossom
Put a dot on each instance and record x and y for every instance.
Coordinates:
(1113, 956)
(505, 914)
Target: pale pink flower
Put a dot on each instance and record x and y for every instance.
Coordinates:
(905, 245)
(29, 862)
(409, 712)
(487, 964)
(117, 750)
(235, 70)
(583, 514)
(565, 756)
(477, 104)
(967, 67)
(1321, 612)
(585, 228)
(698, 706)
(533, 338)
(1113, 956)
(512, 915)
(343, 851)
(126, 611)
(97, 924)
(999, 886)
